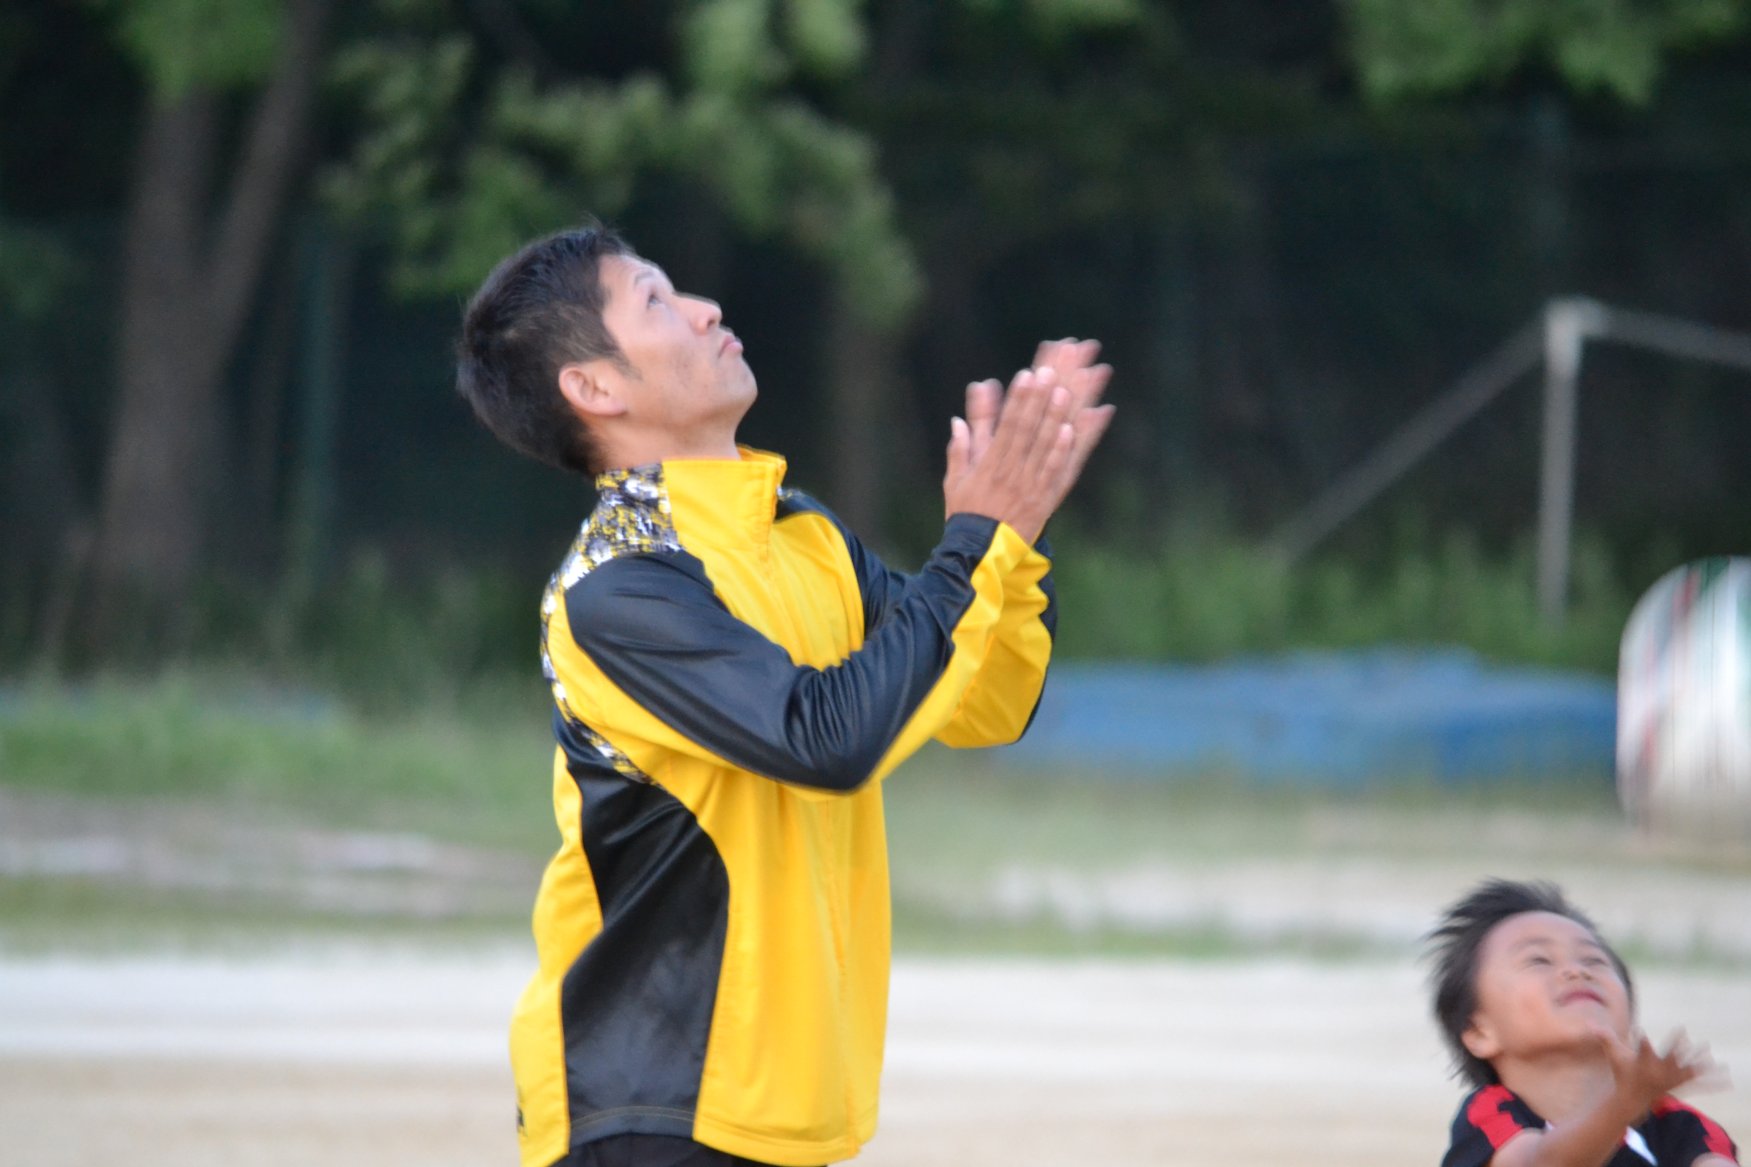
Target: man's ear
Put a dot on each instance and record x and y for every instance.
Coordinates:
(592, 388)
(1479, 1039)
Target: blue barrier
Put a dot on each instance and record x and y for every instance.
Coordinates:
(1334, 719)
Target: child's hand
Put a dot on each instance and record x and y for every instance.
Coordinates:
(1644, 1075)
(1641, 1076)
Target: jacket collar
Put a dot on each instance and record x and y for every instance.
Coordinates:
(715, 500)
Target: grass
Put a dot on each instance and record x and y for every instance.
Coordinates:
(474, 770)
(969, 809)
(1192, 595)
(391, 640)
(54, 915)
(209, 771)
(228, 775)
(922, 928)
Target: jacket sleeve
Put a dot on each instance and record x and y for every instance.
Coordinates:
(698, 680)
(998, 706)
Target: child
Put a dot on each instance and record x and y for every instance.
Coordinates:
(1538, 1012)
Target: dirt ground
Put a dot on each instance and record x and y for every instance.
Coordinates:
(394, 1057)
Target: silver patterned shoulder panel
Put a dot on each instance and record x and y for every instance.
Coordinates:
(632, 516)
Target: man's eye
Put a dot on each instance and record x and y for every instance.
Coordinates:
(1538, 960)
(655, 299)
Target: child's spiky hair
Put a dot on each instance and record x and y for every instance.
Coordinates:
(1454, 946)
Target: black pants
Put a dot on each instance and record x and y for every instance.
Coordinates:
(652, 1151)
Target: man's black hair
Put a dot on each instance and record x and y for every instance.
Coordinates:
(539, 310)
(1455, 943)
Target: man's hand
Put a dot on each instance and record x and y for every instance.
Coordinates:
(1015, 457)
(1073, 361)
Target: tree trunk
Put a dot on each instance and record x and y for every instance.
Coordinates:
(147, 527)
(860, 370)
(189, 280)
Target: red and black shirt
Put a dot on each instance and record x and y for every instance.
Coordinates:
(1673, 1134)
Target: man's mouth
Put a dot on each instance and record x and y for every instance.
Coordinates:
(731, 346)
(1581, 995)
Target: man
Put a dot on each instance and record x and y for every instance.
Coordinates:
(733, 674)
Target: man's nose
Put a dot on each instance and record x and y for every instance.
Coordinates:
(706, 313)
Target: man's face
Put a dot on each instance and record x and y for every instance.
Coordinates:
(687, 381)
(1544, 985)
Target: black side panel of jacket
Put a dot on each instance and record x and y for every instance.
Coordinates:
(884, 588)
(637, 1003)
(655, 628)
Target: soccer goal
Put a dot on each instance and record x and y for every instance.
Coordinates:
(1557, 340)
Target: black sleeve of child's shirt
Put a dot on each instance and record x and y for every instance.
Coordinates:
(1487, 1119)
(1679, 1134)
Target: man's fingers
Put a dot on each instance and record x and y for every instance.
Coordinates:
(959, 451)
(1090, 426)
(1047, 352)
(1074, 362)
(1090, 383)
(1058, 456)
(1018, 451)
(1084, 353)
(1086, 427)
(1094, 420)
(1023, 411)
(1047, 487)
(984, 402)
(1066, 355)
(1057, 409)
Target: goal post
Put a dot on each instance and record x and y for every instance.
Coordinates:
(1557, 340)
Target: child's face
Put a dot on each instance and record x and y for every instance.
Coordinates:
(1544, 985)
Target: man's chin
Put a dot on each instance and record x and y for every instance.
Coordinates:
(743, 404)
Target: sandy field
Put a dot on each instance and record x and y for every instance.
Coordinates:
(394, 1057)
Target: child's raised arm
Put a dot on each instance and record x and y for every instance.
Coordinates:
(1641, 1076)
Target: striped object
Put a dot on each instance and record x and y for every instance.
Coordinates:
(1684, 704)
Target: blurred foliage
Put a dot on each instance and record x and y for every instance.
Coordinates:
(1194, 597)
(465, 153)
(388, 645)
(392, 643)
(179, 45)
(1292, 225)
(36, 268)
(1614, 46)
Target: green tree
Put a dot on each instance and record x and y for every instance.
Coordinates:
(461, 129)
(1405, 48)
(475, 140)
(230, 95)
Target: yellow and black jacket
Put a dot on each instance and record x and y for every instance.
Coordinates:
(732, 675)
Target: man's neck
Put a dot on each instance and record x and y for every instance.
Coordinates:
(632, 452)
